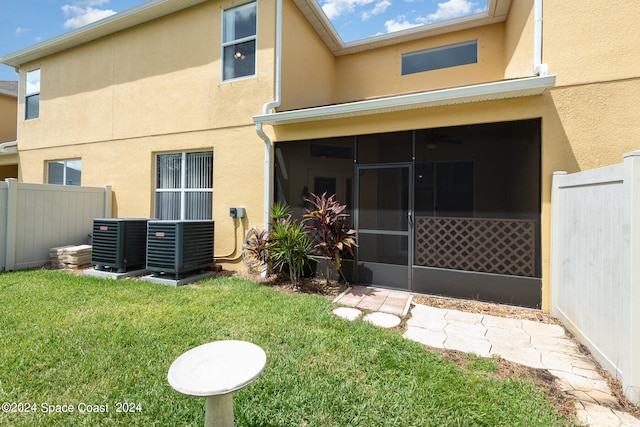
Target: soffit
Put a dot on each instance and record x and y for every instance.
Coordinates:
(505, 89)
(121, 21)
(497, 11)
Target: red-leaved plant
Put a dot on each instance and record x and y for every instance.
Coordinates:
(332, 234)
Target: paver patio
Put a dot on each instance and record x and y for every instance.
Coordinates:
(534, 344)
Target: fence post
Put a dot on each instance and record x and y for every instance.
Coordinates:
(556, 235)
(12, 223)
(631, 276)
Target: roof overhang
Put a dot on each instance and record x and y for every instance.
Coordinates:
(121, 21)
(8, 93)
(505, 89)
(497, 11)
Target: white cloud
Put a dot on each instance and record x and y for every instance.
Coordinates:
(399, 24)
(20, 31)
(82, 12)
(335, 8)
(451, 9)
(380, 7)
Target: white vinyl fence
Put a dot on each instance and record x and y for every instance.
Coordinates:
(37, 217)
(595, 264)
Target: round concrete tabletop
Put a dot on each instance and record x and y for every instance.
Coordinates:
(219, 367)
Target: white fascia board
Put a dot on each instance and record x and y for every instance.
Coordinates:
(530, 86)
(140, 14)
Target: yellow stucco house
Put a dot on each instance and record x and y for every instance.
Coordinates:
(441, 139)
(8, 123)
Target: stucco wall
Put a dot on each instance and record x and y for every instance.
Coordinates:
(117, 102)
(8, 118)
(519, 40)
(308, 66)
(505, 50)
(376, 73)
(600, 120)
(129, 166)
(594, 52)
(158, 78)
(594, 42)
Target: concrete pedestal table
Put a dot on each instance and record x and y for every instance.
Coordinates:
(215, 370)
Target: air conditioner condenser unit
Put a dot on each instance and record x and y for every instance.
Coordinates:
(119, 244)
(179, 247)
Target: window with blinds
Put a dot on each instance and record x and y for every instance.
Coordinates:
(184, 185)
(64, 172)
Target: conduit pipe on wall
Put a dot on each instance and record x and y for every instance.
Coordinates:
(266, 108)
(539, 68)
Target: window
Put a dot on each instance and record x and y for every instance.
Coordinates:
(239, 42)
(32, 95)
(440, 57)
(64, 172)
(184, 185)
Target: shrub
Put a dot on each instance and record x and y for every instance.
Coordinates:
(255, 249)
(289, 246)
(328, 221)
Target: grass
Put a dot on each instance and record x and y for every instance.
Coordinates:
(72, 340)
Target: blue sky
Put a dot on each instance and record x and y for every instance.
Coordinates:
(27, 22)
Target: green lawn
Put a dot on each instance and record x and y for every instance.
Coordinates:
(73, 340)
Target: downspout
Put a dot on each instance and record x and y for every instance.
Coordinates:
(539, 68)
(266, 108)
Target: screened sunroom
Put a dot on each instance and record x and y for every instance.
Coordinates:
(452, 211)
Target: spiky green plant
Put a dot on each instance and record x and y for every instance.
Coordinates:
(289, 246)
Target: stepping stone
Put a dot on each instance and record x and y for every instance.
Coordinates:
(434, 339)
(347, 313)
(384, 320)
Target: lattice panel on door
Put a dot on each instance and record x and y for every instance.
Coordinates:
(503, 246)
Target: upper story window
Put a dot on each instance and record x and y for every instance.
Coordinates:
(440, 57)
(32, 95)
(64, 172)
(239, 41)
